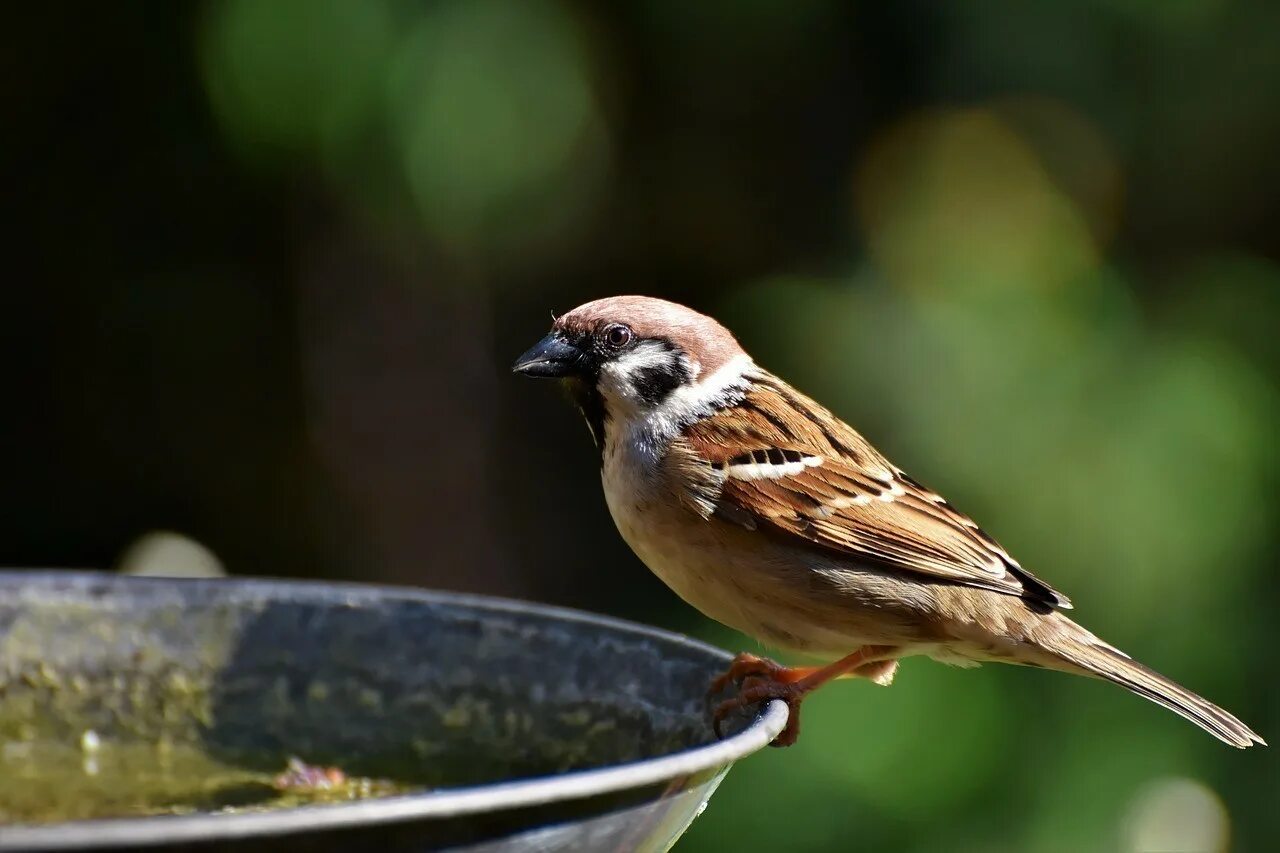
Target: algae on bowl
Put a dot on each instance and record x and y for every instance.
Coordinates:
(43, 781)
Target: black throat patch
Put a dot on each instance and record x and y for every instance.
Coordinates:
(588, 400)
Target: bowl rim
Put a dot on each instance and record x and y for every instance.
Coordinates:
(447, 803)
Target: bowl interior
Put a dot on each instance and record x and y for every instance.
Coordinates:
(204, 689)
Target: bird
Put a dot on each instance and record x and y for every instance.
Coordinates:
(767, 513)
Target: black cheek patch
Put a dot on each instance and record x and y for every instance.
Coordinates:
(654, 384)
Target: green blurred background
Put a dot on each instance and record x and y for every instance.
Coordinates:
(269, 262)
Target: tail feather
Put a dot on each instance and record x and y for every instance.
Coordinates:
(1090, 656)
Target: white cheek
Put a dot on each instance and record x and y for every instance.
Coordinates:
(613, 377)
(616, 386)
(646, 356)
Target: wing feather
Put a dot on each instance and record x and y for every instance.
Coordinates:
(846, 497)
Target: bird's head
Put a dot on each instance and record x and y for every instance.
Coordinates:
(635, 357)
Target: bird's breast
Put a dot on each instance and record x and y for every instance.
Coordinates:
(733, 575)
(683, 550)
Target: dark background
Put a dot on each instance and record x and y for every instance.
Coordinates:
(268, 263)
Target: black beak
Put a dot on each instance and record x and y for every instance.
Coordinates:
(550, 358)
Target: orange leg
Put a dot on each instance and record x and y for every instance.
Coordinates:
(762, 680)
(747, 665)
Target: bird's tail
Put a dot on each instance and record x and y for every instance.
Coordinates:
(1087, 655)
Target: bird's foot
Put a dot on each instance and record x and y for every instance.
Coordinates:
(756, 689)
(760, 680)
(744, 666)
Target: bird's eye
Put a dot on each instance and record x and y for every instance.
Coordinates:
(617, 336)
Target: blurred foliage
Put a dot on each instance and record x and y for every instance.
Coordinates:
(273, 259)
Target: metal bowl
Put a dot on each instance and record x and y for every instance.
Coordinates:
(529, 727)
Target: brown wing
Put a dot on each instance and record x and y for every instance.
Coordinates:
(779, 459)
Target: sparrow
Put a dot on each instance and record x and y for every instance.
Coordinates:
(767, 513)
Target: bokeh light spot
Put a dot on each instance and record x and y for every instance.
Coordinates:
(493, 110)
(1177, 815)
(291, 76)
(957, 199)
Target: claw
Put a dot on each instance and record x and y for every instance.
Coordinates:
(756, 690)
